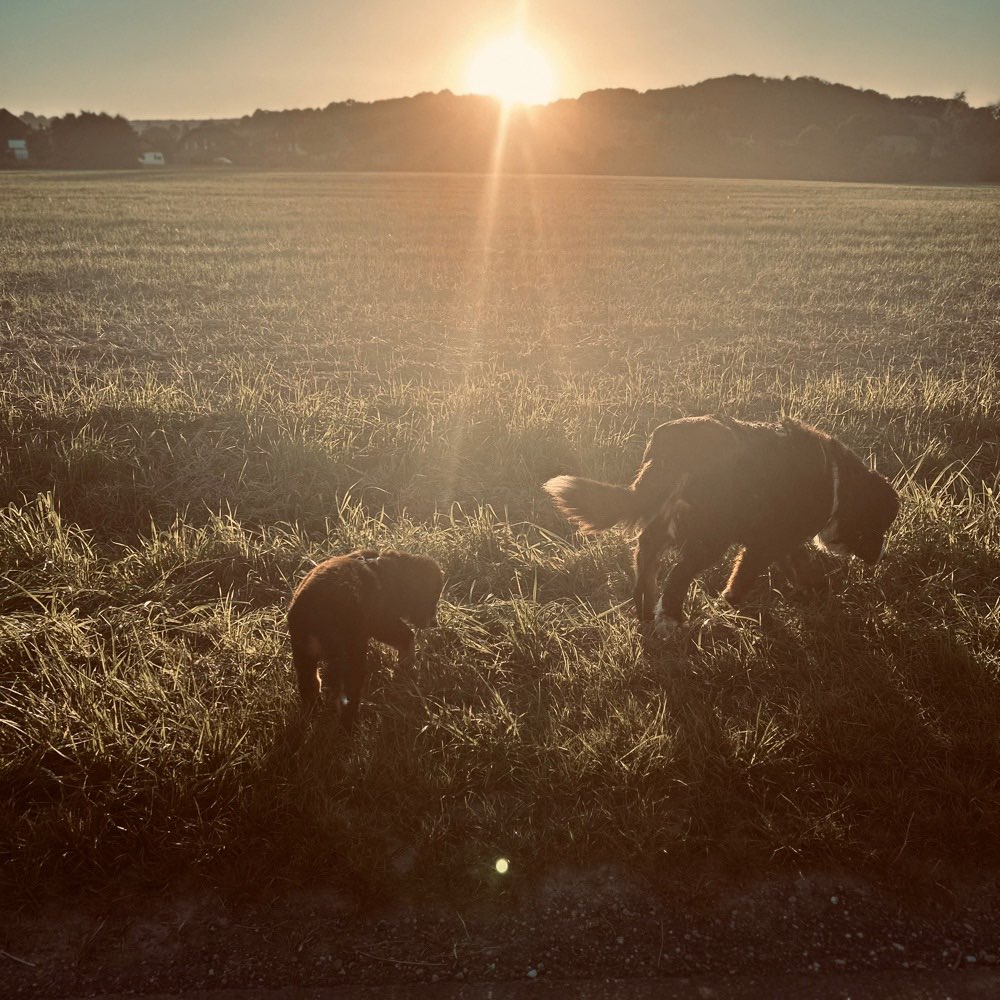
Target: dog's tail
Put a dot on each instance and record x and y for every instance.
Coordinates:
(593, 506)
(676, 452)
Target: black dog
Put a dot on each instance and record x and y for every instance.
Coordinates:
(706, 484)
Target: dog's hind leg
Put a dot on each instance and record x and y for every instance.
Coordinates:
(648, 549)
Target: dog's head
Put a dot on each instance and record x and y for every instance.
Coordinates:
(867, 506)
(413, 583)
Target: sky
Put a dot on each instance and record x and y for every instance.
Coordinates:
(150, 59)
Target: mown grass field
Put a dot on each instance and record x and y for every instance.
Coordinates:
(207, 382)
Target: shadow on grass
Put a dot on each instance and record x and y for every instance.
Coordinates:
(861, 732)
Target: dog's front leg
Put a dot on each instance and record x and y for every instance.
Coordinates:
(801, 571)
(354, 672)
(748, 565)
(306, 663)
(397, 634)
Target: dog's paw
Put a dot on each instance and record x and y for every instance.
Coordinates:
(666, 628)
(664, 625)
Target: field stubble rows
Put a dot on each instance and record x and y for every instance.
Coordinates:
(208, 381)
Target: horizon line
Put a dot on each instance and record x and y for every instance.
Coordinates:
(447, 90)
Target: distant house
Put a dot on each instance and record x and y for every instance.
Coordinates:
(13, 137)
(152, 159)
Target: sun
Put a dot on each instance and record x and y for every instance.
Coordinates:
(514, 69)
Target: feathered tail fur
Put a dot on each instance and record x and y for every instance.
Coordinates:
(675, 451)
(592, 506)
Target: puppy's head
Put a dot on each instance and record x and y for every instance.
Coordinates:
(414, 583)
(868, 506)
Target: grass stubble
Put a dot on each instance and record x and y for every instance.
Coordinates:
(208, 382)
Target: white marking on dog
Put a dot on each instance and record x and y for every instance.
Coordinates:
(663, 624)
(825, 539)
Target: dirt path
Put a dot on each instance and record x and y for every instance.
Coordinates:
(596, 925)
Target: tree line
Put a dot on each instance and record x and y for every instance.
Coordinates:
(735, 126)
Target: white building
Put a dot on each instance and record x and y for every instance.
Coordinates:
(152, 160)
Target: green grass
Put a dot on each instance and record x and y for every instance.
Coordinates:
(209, 381)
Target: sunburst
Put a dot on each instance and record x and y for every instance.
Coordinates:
(513, 69)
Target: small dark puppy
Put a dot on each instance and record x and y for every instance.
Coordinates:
(706, 484)
(347, 600)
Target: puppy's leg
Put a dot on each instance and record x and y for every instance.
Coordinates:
(747, 566)
(397, 634)
(354, 671)
(648, 549)
(305, 657)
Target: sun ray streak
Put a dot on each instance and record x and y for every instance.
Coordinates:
(484, 249)
(481, 253)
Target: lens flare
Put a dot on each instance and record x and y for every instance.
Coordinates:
(502, 865)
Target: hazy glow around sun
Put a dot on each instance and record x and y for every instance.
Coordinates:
(514, 69)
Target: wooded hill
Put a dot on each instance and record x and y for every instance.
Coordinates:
(735, 126)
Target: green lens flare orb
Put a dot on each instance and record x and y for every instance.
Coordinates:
(502, 865)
